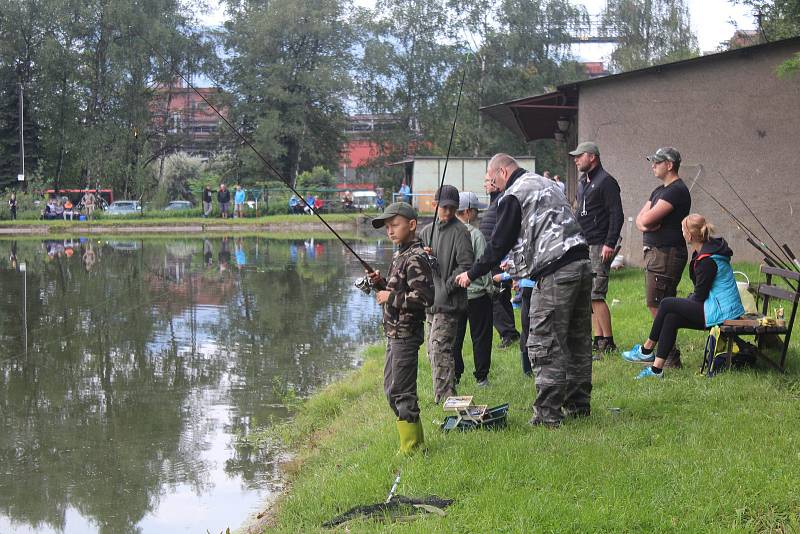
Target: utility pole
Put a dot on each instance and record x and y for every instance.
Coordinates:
(21, 176)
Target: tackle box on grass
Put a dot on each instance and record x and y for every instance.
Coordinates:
(492, 418)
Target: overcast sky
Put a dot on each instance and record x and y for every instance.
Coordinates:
(710, 21)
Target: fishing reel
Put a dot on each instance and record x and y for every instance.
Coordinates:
(432, 262)
(364, 285)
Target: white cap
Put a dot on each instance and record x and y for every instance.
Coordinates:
(468, 199)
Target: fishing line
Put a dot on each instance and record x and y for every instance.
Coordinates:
(269, 165)
(449, 148)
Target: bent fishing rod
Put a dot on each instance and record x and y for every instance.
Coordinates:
(789, 255)
(244, 140)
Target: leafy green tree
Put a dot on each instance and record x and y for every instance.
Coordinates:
(779, 19)
(651, 32)
(318, 177)
(408, 53)
(290, 67)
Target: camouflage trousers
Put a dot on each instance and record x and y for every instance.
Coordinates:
(400, 376)
(560, 343)
(442, 331)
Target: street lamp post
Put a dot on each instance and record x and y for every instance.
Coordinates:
(24, 270)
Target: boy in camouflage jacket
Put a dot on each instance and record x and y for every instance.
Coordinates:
(404, 295)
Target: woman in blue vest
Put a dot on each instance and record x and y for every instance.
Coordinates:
(715, 298)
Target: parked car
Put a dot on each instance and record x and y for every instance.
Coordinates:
(124, 207)
(179, 205)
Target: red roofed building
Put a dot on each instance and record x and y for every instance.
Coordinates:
(186, 120)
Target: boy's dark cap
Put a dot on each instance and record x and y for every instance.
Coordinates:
(447, 195)
(403, 209)
(666, 153)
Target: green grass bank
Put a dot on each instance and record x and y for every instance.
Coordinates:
(684, 454)
(153, 224)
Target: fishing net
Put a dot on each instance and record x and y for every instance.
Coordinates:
(399, 506)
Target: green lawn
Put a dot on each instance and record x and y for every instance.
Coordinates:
(687, 453)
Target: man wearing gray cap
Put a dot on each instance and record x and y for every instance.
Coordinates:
(449, 241)
(479, 301)
(660, 218)
(600, 215)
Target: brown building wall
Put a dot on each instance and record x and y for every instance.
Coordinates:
(729, 114)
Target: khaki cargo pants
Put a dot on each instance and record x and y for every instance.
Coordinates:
(442, 331)
(560, 343)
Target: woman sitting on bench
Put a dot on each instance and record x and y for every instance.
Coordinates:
(715, 298)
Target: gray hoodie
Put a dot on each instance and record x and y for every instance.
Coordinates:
(452, 246)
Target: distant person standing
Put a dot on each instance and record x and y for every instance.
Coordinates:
(405, 192)
(503, 313)
(665, 253)
(207, 204)
(224, 199)
(89, 202)
(238, 202)
(12, 206)
(600, 216)
(561, 185)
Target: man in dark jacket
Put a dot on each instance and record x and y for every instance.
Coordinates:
(502, 312)
(224, 199)
(600, 216)
(449, 241)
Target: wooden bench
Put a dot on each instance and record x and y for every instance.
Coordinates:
(731, 331)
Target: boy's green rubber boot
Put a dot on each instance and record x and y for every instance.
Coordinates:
(410, 436)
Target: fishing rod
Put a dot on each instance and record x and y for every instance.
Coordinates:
(752, 238)
(269, 165)
(747, 207)
(449, 147)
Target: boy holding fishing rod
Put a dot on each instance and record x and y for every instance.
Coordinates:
(404, 295)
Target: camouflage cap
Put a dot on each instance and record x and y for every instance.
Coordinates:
(403, 209)
(666, 153)
(586, 147)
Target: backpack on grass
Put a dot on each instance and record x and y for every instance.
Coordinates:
(715, 357)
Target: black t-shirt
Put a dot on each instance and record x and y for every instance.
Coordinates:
(670, 234)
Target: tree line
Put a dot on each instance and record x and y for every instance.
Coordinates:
(292, 73)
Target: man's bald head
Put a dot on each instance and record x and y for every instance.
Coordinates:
(498, 172)
(503, 161)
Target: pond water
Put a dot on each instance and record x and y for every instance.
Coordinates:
(144, 361)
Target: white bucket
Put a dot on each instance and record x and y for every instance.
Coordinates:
(748, 301)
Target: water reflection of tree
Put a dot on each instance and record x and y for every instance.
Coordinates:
(91, 418)
(104, 412)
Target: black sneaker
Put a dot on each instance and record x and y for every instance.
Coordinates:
(598, 349)
(508, 341)
(546, 424)
(609, 347)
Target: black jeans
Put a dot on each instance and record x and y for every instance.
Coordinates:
(504, 314)
(480, 329)
(524, 314)
(673, 314)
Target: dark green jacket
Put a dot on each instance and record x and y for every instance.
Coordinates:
(452, 246)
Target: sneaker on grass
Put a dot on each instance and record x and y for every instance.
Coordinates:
(635, 355)
(647, 372)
